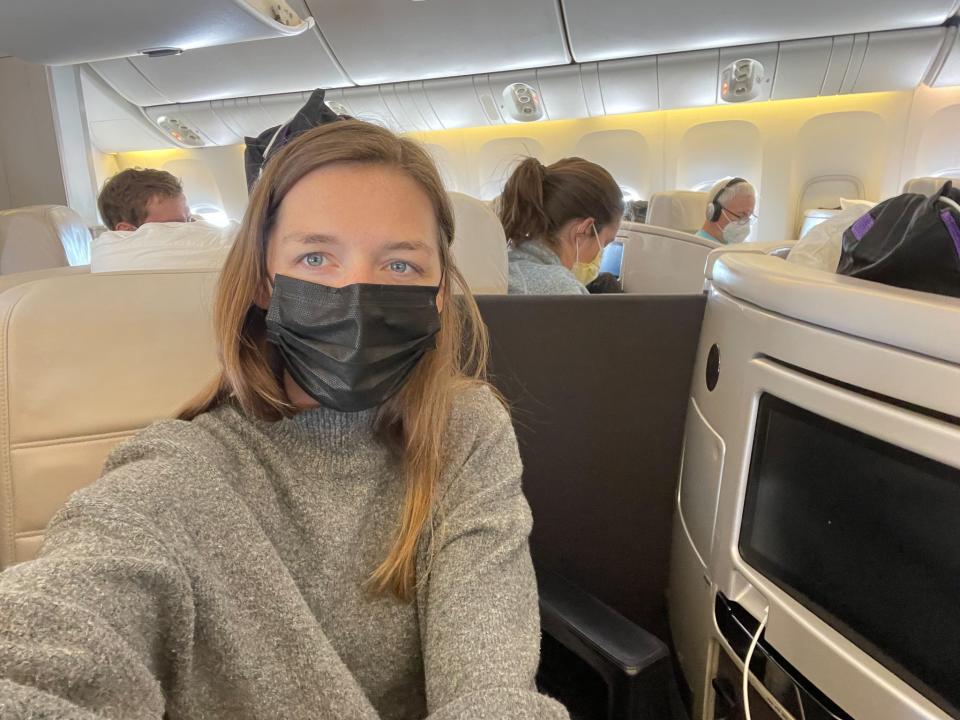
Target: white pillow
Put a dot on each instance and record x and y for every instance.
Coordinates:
(163, 246)
(822, 245)
(856, 202)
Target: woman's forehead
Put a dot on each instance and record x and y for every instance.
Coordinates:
(358, 200)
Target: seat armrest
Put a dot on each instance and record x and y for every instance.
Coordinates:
(636, 666)
(594, 631)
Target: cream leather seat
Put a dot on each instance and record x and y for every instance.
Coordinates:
(42, 236)
(9, 281)
(479, 245)
(138, 345)
(661, 261)
(682, 210)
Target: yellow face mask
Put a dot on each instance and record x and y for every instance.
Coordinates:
(586, 273)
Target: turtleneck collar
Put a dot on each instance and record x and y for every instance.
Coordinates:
(323, 427)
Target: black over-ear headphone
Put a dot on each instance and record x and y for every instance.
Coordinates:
(714, 208)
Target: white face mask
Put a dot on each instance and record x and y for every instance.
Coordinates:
(736, 231)
(586, 273)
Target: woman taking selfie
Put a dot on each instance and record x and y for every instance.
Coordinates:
(336, 528)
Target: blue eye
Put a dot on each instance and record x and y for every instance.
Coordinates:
(314, 260)
(399, 266)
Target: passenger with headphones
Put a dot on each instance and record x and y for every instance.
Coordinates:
(730, 212)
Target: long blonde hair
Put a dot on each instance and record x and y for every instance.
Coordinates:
(414, 420)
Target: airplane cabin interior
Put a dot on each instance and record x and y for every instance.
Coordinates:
(743, 467)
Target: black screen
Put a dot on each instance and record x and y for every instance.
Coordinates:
(864, 534)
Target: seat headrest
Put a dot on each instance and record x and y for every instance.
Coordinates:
(662, 261)
(40, 237)
(927, 185)
(683, 210)
(85, 361)
(479, 245)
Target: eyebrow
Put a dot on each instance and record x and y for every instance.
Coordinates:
(310, 238)
(414, 245)
(321, 239)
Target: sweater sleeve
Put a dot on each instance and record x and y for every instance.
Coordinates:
(480, 621)
(84, 627)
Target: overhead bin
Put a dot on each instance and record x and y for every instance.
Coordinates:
(265, 67)
(866, 62)
(609, 29)
(946, 73)
(898, 60)
(383, 41)
(54, 32)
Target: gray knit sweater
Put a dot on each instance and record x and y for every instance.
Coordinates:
(217, 570)
(535, 269)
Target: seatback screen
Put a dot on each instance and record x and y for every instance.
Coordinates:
(863, 533)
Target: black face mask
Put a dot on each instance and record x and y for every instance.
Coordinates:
(351, 348)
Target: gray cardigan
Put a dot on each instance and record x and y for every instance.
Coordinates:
(536, 270)
(217, 570)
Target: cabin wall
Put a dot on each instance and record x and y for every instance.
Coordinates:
(779, 146)
(873, 141)
(30, 172)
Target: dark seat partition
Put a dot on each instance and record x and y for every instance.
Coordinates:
(598, 387)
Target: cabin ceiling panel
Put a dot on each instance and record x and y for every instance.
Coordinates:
(382, 41)
(688, 79)
(456, 102)
(55, 32)
(801, 68)
(898, 60)
(264, 67)
(949, 74)
(562, 91)
(609, 29)
(629, 86)
(116, 125)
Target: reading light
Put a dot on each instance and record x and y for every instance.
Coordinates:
(180, 131)
(522, 103)
(741, 81)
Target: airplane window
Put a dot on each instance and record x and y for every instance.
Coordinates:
(211, 214)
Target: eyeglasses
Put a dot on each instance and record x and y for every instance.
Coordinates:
(748, 219)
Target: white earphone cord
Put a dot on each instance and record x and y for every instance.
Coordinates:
(746, 663)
